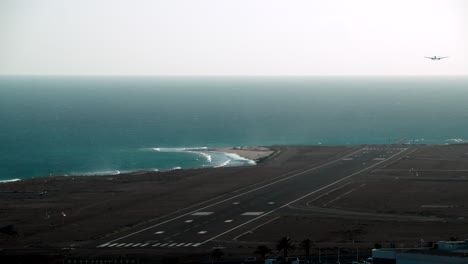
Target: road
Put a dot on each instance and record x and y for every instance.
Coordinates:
(229, 216)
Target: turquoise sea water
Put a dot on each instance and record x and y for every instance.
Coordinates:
(88, 125)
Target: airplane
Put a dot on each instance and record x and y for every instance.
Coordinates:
(435, 58)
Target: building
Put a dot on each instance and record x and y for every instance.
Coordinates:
(443, 252)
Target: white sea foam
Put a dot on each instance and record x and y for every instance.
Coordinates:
(455, 140)
(97, 173)
(195, 150)
(236, 157)
(10, 180)
(176, 168)
(223, 164)
(207, 156)
(179, 149)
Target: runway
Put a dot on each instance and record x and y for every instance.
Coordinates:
(230, 216)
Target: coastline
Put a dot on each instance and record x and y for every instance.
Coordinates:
(98, 207)
(247, 155)
(256, 154)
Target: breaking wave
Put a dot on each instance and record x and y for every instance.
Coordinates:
(97, 173)
(455, 140)
(215, 159)
(10, 180)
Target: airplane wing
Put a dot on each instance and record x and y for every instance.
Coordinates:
(443, 57)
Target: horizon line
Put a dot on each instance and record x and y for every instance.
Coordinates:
(227, 76)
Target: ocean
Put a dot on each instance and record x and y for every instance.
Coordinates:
(110, 125)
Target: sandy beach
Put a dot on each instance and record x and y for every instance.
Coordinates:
(252, 153)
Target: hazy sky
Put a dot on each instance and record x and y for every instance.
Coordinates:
(233, 37)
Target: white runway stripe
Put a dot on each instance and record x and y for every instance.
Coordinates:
(136, 245)
(173, 244)
(165, 244)
(129, 244)
(188, 244)
(178, 245)
(252, 213)
(144, 245)
(202, 213)
(103, 245)
(119, 245)
(114, 244)
(157, 244)
(196, 244)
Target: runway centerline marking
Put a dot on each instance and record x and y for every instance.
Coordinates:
(300, 198)
(188, 221)
(201, 232)
(159, 232)
(202, 213)
(252, 213)
(228, 221)
(238, 195)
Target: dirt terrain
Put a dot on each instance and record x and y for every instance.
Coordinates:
(405, 202)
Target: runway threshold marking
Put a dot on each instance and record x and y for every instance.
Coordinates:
(300, 198)
(228, 221)
(238, 195)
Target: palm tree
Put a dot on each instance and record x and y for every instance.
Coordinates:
(306, 244)
(286, 245)
(217, 254)
(263, 251)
